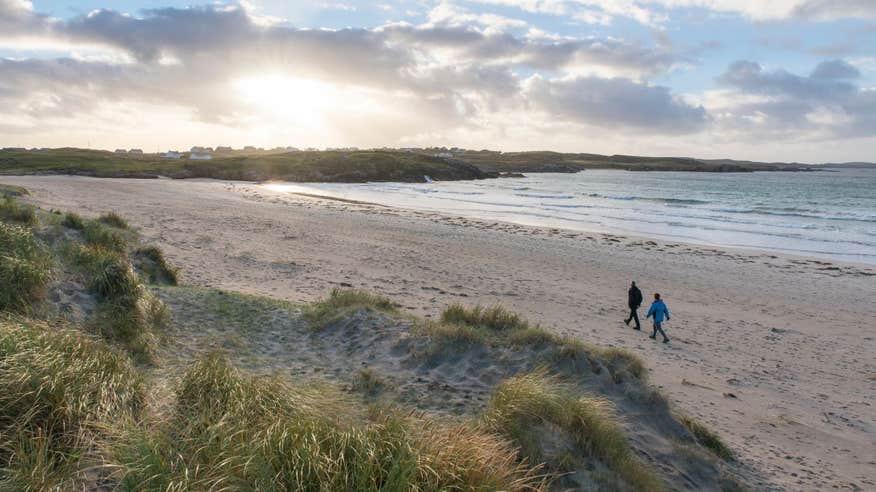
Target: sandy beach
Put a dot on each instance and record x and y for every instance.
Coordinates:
(776, 353)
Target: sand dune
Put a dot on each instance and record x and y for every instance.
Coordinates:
(775, 353)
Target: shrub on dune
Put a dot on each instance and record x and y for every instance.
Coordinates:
(99, 234)
(128, 313)
(25, 268)
(158, 269)
(342, 301)
(113, 219)
(233, 431)
(13, 211)
(537, 412)
(73, 221)
(707, 438)
(57, 390)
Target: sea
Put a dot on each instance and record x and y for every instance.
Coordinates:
(824, 214)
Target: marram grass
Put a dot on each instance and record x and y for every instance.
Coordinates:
(524, 408)
(25, 268)
(58, 388)
(230, 431)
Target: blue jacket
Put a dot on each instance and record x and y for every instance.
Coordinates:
(658, 310)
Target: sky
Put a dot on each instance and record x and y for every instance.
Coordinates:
(779, 80)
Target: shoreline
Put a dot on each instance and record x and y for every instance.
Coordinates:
(868, 268)
(790, 338)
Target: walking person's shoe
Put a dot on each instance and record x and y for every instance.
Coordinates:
(653, 337)
(665, 340)
(627, 322)
(638, 328)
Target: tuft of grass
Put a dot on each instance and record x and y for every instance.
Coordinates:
(236, 432)
(343, 301)
(12, 211)
(73, 221)
(535, 410)
(707, 438)
(495, 318)
(113, 219)
(463, 327)
(12, 190)
(368, 382)
(58, 390)
(157, 268)
(129, 314)
(99, 234)
(25, 268)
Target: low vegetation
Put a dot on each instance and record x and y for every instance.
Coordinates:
(73, 220)
(237, 432)
(25, 268)
(99, 234)
(707, 438)
(12, 190)
(128, 313)
(13, 211)
(58, 391)
(85, 407)
(345, 301)
(462, 327)
(155, 266)
(554, 424)
(114, 220)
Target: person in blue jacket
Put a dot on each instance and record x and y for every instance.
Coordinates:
(658, 311)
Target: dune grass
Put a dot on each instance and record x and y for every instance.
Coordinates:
(99, 234)
(12, 190)
(13, 211)
(707, 438)
(73, 220)
(128, 313)
(344, 301)
(113, 219)
(25, 268)
(534, 409)
(462, 327)
(157, 268)
(58, 388)
(230, 431)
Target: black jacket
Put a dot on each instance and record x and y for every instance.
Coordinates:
(635, 297)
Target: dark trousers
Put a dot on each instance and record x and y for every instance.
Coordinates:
(658, 327)
(634, 315)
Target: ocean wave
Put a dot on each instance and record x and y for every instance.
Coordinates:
(535, 195)
(772, 212)
(673, 201)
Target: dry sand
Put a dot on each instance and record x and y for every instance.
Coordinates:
(776, 353)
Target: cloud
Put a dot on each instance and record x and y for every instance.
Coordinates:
(656, 12)
(391, 83)
(826, 104)
(615, 103)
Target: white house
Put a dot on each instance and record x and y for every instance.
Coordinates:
(171, 155)
(199, 156)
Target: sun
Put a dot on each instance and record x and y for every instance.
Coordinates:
(285, 97)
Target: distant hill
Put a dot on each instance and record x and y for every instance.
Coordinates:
(849, 165)
(560, 162)
(328, 166)
(353, 166)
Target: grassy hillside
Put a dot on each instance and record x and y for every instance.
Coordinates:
(489, 161)
(113, 377)
(351, 166)
(335, 166)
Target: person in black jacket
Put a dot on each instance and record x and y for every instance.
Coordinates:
(634, 300)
